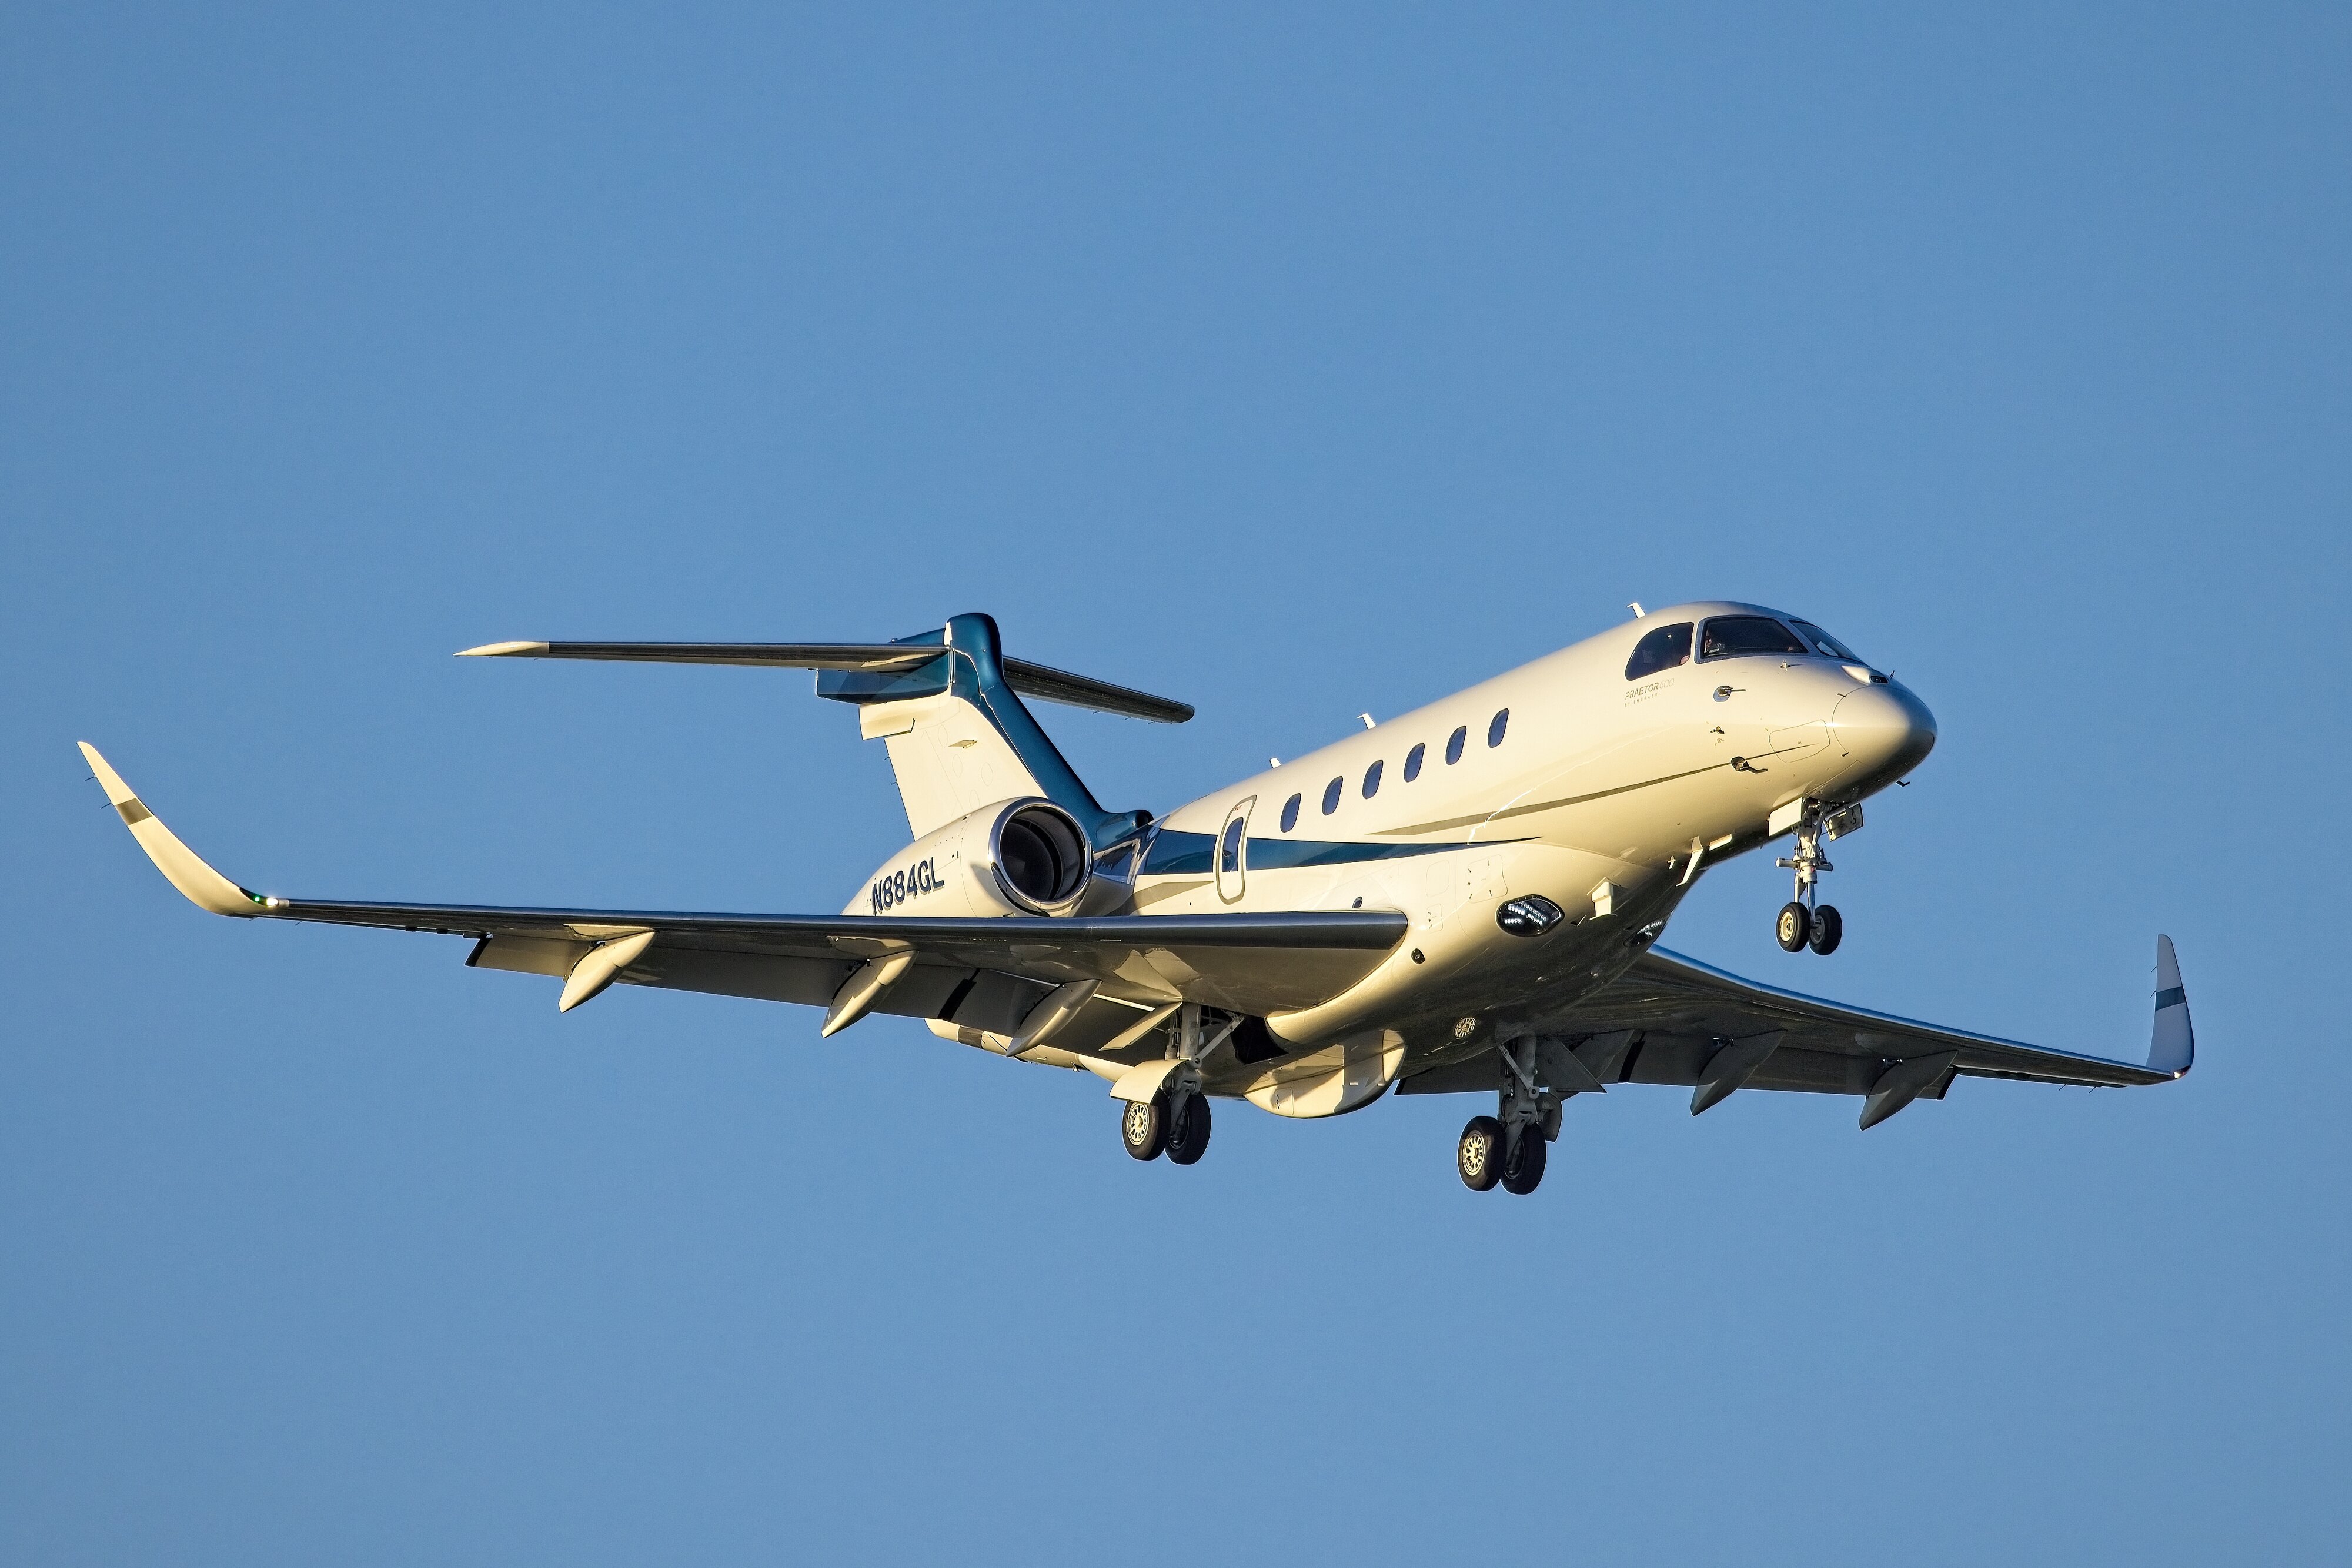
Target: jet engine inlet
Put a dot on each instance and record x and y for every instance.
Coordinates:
(1042, 858)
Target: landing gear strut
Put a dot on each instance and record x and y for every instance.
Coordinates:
(1804, 921)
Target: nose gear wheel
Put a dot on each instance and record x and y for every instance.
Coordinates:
(1829, 926)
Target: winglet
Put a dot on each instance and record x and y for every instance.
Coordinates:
(2173, 1047)
(206, 888)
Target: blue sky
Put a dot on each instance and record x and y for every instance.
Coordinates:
(1294, 362)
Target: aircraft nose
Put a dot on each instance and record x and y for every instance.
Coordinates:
(1886, 730)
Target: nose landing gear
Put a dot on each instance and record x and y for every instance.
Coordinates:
(1804, 921)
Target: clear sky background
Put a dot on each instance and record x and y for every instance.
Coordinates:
(1290, 361)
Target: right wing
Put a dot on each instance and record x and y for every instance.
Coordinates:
(982, 974)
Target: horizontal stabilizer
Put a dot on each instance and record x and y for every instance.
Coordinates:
(1054, 686)
(867, 658)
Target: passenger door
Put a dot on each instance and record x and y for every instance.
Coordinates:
(1232, 853)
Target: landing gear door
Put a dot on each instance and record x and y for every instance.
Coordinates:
(1233, 854)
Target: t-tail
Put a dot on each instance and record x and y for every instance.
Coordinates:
(946, 703)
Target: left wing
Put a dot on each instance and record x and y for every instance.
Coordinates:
(1663, 984)
(991, 975)
(1672, 1019)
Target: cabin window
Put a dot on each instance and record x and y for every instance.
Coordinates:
(1412, 762)
(1730, 636)
(1660, 650)
(1454, 745)
(1495, 727)
(1371, 781)
(1331, 795)
(1290, 813)
(1229, 853)
(1829, 644)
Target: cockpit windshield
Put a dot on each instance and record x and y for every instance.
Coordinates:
(1829, 644)
(1660, 650)
(1728, 636)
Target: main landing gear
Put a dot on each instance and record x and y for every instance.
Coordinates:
(1488, 1155)
(1175, 1122)
(1804, 921)
(1510, 1148)
(1177, 1127)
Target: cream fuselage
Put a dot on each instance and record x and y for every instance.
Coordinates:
(1597, 780)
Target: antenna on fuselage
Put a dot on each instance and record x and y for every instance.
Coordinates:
(1636, 608)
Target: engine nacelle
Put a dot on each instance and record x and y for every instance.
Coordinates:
(1016, 857)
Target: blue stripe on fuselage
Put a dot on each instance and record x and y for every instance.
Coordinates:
(1176, 854)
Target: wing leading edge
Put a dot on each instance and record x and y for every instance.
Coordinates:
(987, 974)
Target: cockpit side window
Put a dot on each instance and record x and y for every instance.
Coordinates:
(1660, 650)
(1730, 636)
(1829, 644)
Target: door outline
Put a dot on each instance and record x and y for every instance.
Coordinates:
(1232, 871)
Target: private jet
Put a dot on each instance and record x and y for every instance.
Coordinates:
(1467, 899)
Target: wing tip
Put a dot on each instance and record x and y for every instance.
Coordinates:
(117, 792)
(2172, 1042)
(497, 650)
(198, 883)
